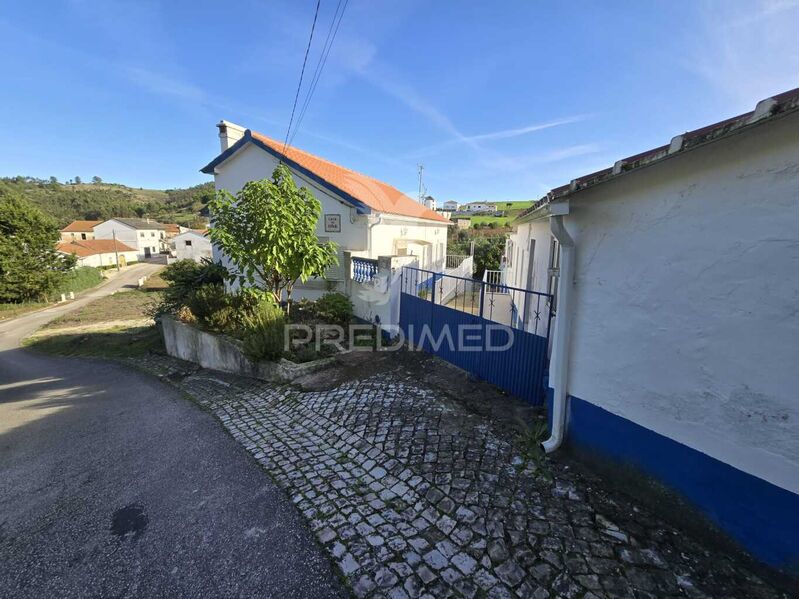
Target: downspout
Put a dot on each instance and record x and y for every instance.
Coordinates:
(560, 350)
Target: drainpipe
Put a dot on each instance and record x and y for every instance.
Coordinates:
(560, 350)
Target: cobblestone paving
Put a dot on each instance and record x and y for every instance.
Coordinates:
(414, 496)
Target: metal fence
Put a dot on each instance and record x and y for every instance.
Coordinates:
(496, 332)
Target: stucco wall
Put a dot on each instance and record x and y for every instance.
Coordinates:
(200, 247)
(687, 287)
(130, 236)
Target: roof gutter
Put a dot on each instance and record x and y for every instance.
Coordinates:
(560, 352)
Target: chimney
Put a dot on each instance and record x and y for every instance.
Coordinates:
(229, 133)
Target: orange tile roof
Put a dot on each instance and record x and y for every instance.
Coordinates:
(172, 228)
(379, 196)
(90, 247)
(81, 226)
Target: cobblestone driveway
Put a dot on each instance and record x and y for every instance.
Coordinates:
(414, 495)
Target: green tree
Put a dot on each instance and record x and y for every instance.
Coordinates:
(30, 266)
(269, 232)
(96, 180)
(78, 181)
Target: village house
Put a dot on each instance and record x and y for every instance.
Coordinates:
(675, 347)
(192, 245)
(146, 236)
(478, 207)
(99, 253)
(450, 205)
(366, 218)
(79, 229)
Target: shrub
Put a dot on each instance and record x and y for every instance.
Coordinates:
(334, 308)
(184, 276)
(263, 331)
(208, 300)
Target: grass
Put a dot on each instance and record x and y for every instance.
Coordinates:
(125, 305)
(155, 283)
(105, 333)
(115, 342)
(80, 279)
(13, 310)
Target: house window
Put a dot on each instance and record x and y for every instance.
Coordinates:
(83, 235)
(188, 243)
(152, 234)
(141, 234)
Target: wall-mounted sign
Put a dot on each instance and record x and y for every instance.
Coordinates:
(332, 223)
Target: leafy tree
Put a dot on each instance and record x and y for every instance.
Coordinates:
(269, 233)
(53, 180)
(140, 211)
(78, 181)
(30, 266)
(96, 180)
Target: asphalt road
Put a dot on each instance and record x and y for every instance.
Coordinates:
(113, 485)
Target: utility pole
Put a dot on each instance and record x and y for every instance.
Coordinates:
(421, 197)
(116, 250)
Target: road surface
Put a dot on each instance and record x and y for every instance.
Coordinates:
(111, 484)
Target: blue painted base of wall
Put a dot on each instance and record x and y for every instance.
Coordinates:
(761, 517)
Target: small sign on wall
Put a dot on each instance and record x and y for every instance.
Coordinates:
(332, 223)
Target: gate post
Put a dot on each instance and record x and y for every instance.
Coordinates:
(482, 296)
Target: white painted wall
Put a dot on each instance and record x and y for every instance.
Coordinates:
(687, 287)
(135, 238)
(192, 246)
(367, 236)
(106, 259)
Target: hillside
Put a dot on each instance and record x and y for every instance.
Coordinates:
(509, 210)
(98, 201)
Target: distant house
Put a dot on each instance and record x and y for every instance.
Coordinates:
(79, 229)
(192, 245)
(146, 236)
(478, 207)
(676, 343)
(450, 205)
(173, 229)
(99, 252)
(367, 218)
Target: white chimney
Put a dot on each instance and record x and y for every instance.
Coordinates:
(229, 133)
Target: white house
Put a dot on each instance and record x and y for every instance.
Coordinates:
(367, 218)
(99, 252)
(478, 207)
(79, 229)
(676, 345)
(146, 236)
(450, 205)
(192, 245)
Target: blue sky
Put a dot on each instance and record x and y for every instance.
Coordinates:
(500, 100)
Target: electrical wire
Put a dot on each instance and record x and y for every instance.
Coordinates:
(320, 65)
(302, 74)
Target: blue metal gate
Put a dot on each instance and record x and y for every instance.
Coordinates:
(496, 332)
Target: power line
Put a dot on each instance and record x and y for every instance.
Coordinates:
(302, 73)
(320, 65)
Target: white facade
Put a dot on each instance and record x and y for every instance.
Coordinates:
(366, 236)
(450, 205)
(107, 259)
(478, 207)
(192, 245)
(686, 287)
(148, 242)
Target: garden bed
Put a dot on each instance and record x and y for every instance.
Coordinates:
(221, 352)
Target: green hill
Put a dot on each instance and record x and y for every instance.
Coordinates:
(99, 201)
